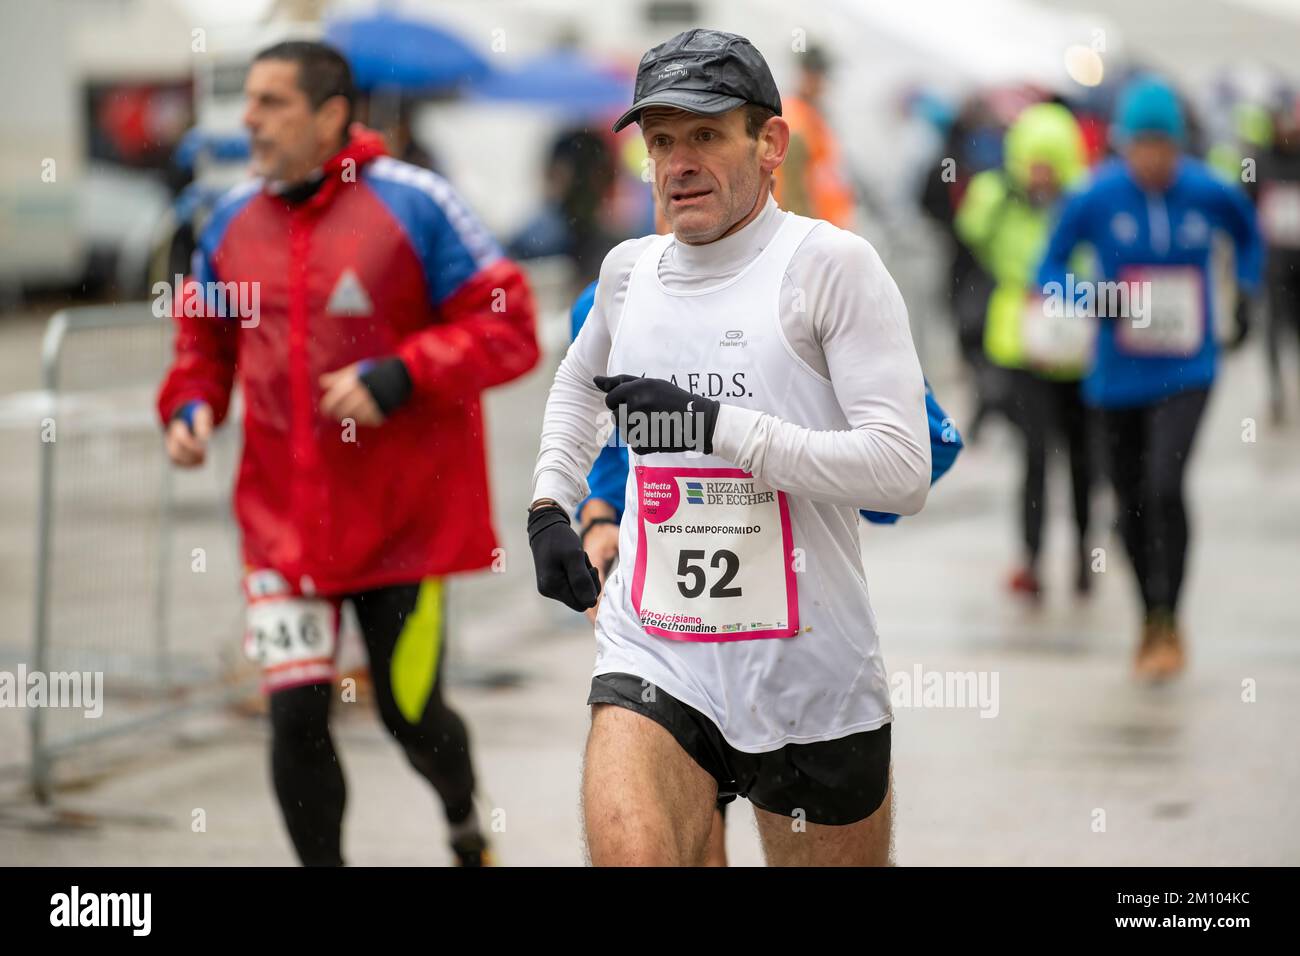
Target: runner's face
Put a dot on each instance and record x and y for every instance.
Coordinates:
(289, 138)
(708, 172)
(1153, 161)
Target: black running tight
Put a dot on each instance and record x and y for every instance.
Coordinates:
(404, 623)
(1148, 451)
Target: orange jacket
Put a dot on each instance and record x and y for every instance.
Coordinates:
(823, 192)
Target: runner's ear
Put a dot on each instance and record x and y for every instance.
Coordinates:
(774, 143)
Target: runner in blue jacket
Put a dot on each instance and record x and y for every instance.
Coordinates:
(1151, 217)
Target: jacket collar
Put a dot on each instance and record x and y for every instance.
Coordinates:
(344, 167)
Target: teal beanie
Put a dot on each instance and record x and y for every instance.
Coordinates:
(1149, 106)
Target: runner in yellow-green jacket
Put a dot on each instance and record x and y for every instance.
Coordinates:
(1005, 219)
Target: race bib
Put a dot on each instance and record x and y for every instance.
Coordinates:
(293, 639)
(1173, 321)
(714, 556)
(1056, 337)
(1279, 214)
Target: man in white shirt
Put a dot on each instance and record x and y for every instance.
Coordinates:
(760, 367)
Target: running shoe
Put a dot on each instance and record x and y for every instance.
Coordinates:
(1160, 654)
(1145, 665)
(1025, 583)
(1171, 658)
(472, 851)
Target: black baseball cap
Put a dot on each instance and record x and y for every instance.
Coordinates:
(702, 71)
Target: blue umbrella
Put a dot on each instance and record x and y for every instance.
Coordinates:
(413, 56)
(224, 147)
(563, 79)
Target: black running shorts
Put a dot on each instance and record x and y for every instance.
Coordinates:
(831, 782)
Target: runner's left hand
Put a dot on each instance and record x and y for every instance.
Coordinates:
(346, 396)
(1240, 322)
(641, 397)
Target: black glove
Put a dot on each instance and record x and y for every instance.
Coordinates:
(1240, 322)
(633, 400)
(388, 382)
(564, 572)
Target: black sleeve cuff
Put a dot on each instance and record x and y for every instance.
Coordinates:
(389, 384)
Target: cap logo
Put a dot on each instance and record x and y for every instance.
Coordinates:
(676, 69)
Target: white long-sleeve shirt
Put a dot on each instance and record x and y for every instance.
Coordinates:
(843, 318)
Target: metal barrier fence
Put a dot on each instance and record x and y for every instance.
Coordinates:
(110, 514)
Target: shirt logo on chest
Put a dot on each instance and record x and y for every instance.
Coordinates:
(1124, 228)
(349, 297)
(1194, 231)
(711, 384)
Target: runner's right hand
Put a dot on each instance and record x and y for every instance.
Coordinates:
(563, 571)
(1241, 322)
(188, 434)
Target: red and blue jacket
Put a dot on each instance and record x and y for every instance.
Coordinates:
(383, 260)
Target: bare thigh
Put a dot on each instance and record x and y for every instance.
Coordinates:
(717, 849)
(645, 802)
(791, 842)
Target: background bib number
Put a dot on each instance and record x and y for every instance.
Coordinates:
(1279, 214)
(1174, 324)
(288, 631)
(1054, 341)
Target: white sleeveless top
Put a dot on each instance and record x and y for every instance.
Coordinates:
(827, 680)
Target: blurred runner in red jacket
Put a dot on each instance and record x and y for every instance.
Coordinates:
(363, 309)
